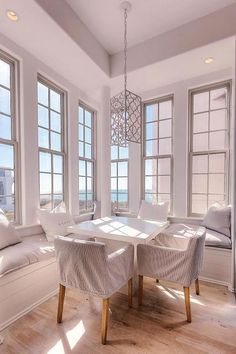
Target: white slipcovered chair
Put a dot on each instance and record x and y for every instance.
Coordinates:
(89, 267)
(176, 258)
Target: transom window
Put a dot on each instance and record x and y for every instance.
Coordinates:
(86, 159)
(8, 139)
(51, 144)
(158, 121)
(119, 178)
(209, 147)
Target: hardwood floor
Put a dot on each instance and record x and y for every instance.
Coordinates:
(158, 326)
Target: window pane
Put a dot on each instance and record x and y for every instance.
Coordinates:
(82, 168)
(81, 115)
(114, 152)
(55, 141)
(199, 184)
(45, 162)
(199, 204)
(5, 71)
(151, 148)
(218, 119)
(151, 112)
(43, 118)
(151, 130)
(6, 184)
(151, 198)
(57, 184)
(114, 197)
(88, 151)
(200, 164)
(5, 127)
(165, 109)
(113, 184)
(43, 136)
(200, 142)
(218, 98)
(81, 132)
(164, 184)
(165, 146)
(89, 169)
(122, 169)
(200, 123)
(123, 152)
(45, 183)
(57, 199)
(216, 198)
(201, 102)
(164, 166)
(123, 184)
(88, 118)
(88, 135)
(217, 163)
(56, 121)
(217, 140)
(55, 101)
(82, 184)
(81, 149)
(89, 185)
(113, 169)
(6, 156)
(42, 94)
(45, 201)
(151, 184)
(165, 128)
(123, 200)
(151, 167)
(216, 183)
(162, 198)
(57, 164)
(5, 101)
(82, 201)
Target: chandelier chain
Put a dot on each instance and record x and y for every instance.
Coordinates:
(125, 48)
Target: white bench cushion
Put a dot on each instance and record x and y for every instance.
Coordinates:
(215, 239)
(31, 250)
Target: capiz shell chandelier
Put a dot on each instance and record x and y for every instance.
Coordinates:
(126, 110)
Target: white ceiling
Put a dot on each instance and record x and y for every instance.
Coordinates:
(147, 19)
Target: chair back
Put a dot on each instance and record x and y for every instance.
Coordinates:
(82, 264)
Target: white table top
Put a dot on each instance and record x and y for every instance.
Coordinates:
(120, 228)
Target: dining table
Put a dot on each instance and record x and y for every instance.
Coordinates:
(121, 228)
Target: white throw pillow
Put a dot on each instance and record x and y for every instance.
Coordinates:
(8, 236)
(157, 212)
(218, 218)
(55, 223)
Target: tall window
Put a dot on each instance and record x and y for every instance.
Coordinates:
(86, 159)
(209, 147)
(119, 178)
(51, 144)
(158, 121)
(8, 139)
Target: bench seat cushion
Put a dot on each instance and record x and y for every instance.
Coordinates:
(33, 249)
(215, 239)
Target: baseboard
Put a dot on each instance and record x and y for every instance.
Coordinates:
(26, 310)
(214, 281)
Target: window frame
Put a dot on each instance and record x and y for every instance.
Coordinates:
(93, 159)
(116, 161)
(205, 88)
(63, 113)
(15, 130)
(157, 100)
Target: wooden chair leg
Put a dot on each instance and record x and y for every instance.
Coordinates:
(105, 309)
(130, 290)
(140, 290)
(187, 303)
(197, 287)
(62, 290)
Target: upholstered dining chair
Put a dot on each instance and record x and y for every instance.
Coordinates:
(176, 258)
(89, 267)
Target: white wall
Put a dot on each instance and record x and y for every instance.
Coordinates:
(29, 67)
(180, 140)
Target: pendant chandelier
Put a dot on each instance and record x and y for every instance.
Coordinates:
(126, 111)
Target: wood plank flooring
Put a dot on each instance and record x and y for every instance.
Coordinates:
(159, 326)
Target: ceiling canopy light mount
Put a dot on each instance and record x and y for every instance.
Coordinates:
(12, 15)
(208, 60)
(126, 119)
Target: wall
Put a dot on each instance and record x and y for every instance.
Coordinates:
(29, 67)
(180, 140)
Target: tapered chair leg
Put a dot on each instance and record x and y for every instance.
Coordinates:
(140, 290)
(197, 287)
(187, 303)
(62, 290)
(105, 309)
(130, 290)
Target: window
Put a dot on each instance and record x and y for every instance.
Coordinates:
(209, 147)
(157, 164)
(51, 144)
(86, 159)
(8, 139)
(119, 178)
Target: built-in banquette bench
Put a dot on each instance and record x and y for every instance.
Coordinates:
(28, 273)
